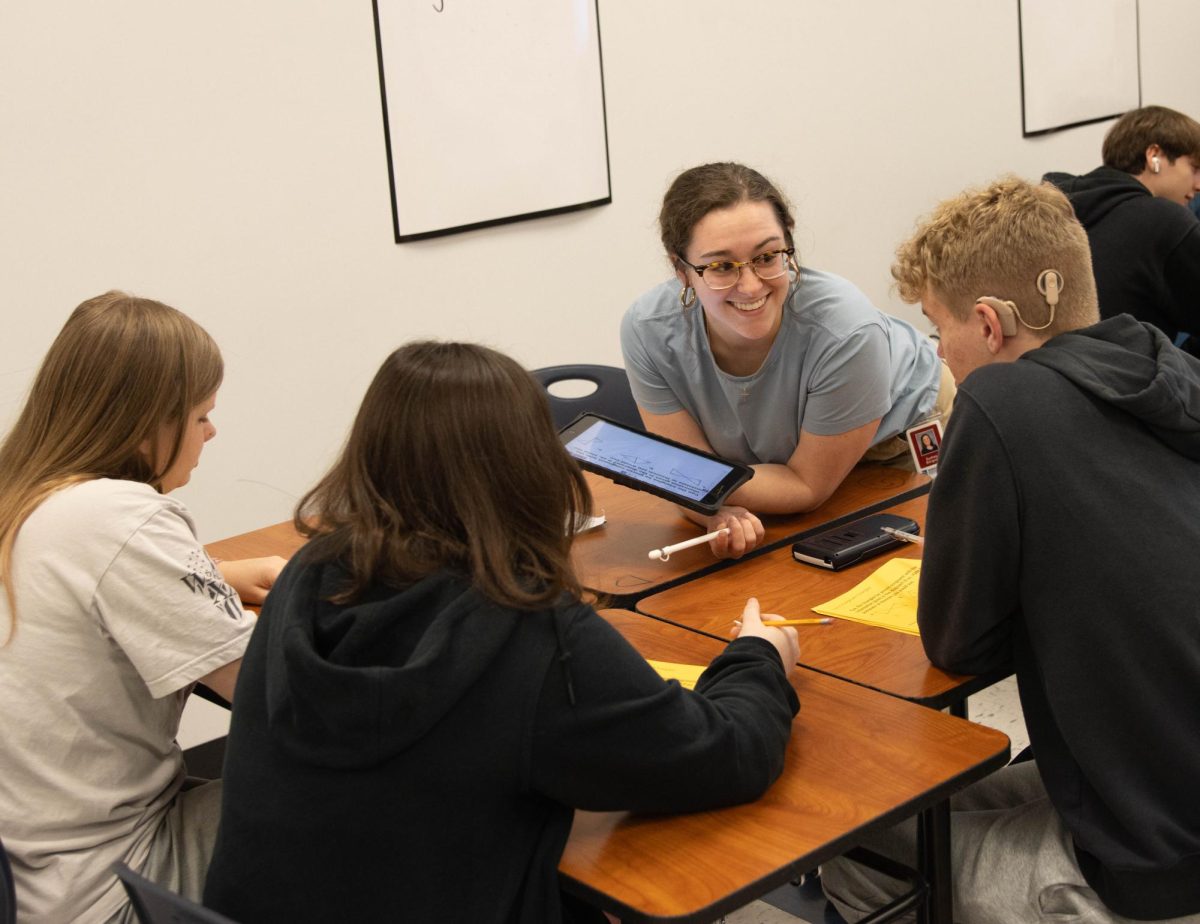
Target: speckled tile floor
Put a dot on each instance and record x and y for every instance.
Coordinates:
(997, 707)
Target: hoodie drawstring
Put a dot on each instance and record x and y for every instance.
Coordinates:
(564, 656)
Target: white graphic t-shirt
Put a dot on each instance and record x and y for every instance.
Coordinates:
(119, 612)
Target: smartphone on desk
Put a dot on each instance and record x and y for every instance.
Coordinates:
(846, 545)
(644, 461)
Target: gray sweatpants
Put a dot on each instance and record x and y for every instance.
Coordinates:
(1012, 860)
(183, 846)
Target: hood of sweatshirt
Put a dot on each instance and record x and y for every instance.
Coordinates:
(1134, 367)
(1093, 195)
(349, 686)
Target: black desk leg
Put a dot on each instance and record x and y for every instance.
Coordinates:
(933, 850)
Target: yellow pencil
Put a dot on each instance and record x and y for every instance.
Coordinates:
(823, 621)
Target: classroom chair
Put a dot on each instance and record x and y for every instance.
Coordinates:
(8, 893)
(612, 397)
(156, 905)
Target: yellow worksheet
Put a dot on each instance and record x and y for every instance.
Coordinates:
(686, 674)
(887, 598)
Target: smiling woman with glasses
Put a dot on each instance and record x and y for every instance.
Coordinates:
(746, 354)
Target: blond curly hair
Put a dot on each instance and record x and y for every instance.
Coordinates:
(995, 241)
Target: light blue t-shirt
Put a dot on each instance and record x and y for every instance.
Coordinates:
(837, 363)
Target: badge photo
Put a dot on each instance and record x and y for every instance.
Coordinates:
(924, 442)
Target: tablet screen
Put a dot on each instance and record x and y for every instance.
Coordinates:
(647, 460)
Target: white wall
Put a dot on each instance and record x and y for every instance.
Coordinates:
(228, 158)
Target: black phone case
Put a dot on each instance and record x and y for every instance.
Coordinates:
(851, 543)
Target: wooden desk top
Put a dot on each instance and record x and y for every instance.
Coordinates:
(613, 559)
(856, 758)
(280, 539)
(892, 662)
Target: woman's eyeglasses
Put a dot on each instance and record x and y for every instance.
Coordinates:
(724, 274)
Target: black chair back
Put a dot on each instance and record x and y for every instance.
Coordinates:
(8, 892)
(156, 905)
(612, 396)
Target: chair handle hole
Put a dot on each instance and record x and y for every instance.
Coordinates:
(572, 388)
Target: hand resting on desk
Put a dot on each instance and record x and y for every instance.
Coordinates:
(745, 531)
(252, 578)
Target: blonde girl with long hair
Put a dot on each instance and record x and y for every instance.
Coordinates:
(110, 612)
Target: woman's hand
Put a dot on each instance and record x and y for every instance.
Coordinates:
(252, 578)
(745, 532)
(782, 637)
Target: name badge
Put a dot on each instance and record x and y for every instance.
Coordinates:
(924, 442)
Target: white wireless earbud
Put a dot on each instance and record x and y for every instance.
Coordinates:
(1154, 163)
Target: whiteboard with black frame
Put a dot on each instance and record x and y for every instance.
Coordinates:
(493, 111)
(1079, 62)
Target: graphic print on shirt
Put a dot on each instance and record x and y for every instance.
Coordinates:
(204, 578)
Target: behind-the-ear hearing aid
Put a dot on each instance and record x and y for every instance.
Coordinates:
(1154, 163)
(1005, 310)
(1049, 283)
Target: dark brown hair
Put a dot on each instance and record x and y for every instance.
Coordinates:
(1125, 144)
(700, 190)
(453, 462)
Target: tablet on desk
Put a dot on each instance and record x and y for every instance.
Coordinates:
(643, 461)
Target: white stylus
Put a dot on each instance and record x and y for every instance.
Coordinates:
(665, 552)
(903, 536)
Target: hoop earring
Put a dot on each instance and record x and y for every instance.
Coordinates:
(687, 297)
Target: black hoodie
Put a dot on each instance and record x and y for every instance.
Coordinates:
(417, 756)
(1063, 541)
(1145, 250)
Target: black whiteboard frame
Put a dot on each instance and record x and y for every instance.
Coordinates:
(401, 238)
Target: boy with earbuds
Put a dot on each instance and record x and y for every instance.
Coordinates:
(1145, 248)
(1061, 543)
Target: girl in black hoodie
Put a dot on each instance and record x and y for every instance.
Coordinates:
(426, 699)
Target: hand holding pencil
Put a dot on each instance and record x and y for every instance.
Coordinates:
(782, 637)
